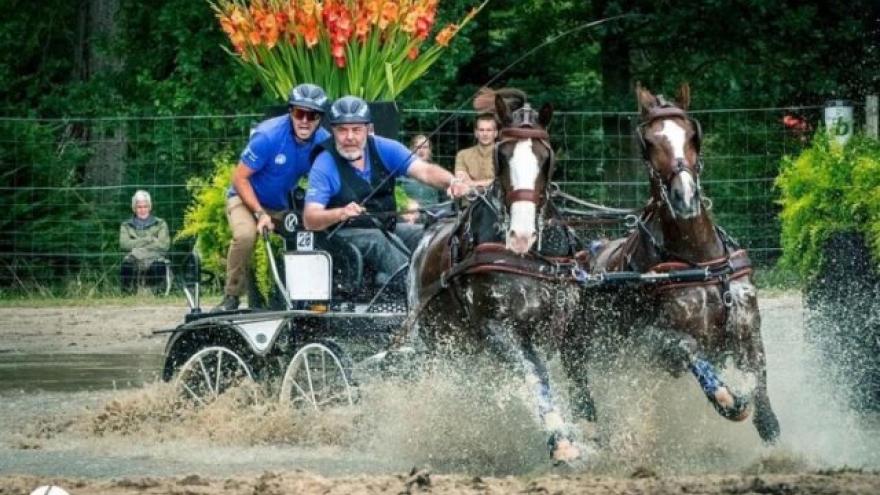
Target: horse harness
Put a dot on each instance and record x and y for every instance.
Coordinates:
(735, 263)
(479, 252)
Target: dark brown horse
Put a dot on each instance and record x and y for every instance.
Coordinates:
(488, 282)
(695, 324)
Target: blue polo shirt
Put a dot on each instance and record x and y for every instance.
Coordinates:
(278, 160)
(324, 182)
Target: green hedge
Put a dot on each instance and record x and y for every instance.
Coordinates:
(828, 189)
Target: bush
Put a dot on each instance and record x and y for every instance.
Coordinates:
(205, 221)
(825, 190)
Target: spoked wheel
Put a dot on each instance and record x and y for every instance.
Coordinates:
(318, 377)
(210, 372)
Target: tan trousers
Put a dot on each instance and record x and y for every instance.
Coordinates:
(244, 235)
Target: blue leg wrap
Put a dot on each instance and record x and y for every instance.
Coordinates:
(705, 374)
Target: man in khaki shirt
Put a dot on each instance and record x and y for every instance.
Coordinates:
(475, 163)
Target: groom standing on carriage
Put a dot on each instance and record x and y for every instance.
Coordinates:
(351, 182)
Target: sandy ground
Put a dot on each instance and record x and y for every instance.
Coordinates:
(270, 483)
(118, 329)
(93, 329)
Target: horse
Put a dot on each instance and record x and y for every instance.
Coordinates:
(691, 325)
(486, 281)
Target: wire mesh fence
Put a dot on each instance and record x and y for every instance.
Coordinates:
(67, 183)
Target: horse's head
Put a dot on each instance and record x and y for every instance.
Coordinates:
(670, 142)
(523, 168)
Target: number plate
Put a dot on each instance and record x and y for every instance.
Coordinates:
(305, 241)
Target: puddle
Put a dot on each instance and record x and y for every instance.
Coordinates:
(77, 372)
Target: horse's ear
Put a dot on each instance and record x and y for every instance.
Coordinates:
(501, 110)
(545, 115)
(683, 97)
(646, 100)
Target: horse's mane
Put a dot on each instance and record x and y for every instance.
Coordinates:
(484, 101)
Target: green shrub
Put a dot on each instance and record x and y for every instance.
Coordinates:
(824, 190)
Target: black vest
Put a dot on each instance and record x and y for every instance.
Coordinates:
(354, 189)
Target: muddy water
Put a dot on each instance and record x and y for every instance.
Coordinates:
(461, 421)
(76, 372)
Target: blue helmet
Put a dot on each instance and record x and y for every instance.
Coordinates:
(308, 96)
(350, 110)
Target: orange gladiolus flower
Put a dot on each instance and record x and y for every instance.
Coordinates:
(254, 37)
(446, 34)
(413, 53)
(371, 10)
(227, 26)
(237, 17)
(390, 11)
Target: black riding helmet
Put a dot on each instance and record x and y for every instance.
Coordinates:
(308, 96)
(350, 110)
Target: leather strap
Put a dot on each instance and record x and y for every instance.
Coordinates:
(529, 195)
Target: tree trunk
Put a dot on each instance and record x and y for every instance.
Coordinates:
(617, 95)
(107, 139)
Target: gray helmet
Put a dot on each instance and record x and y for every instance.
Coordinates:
(350, 110)
(308, 96)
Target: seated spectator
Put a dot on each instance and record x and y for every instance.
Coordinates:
(146, 240)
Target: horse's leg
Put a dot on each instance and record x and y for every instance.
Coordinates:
(683, 351)
(525, 359)
(573, 361)
(746, 321)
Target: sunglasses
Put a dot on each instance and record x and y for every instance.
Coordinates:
(302, 114)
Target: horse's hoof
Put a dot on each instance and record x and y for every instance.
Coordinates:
(566, 452)
(730, 406)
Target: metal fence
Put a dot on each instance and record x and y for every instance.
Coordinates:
(66, 183)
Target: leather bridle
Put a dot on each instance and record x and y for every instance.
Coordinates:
(661, 112)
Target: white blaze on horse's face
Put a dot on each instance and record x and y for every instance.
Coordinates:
(683, 187)
(524, 171)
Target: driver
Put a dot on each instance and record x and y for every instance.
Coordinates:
(354, 166)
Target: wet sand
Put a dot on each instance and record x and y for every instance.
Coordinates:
(137, 441)
(272, 483)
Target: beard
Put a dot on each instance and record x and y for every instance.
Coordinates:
(350, 155)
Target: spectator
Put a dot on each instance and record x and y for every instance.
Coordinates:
(476, 163)
(421, 146)
(419, 193)
(145, 238)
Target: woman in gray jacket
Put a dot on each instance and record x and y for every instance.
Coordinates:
(145, 237)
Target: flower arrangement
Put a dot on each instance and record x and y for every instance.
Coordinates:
(368, 48)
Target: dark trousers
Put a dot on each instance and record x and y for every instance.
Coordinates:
(379, 252)
(153, 276)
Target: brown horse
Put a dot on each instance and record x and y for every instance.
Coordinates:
(487, 282)
(692, 324)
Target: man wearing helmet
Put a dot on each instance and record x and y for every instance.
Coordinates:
(276, 157)
(353, 168)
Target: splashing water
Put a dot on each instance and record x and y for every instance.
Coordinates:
(460, 417)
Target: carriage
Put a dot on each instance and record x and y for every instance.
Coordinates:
(325, 314)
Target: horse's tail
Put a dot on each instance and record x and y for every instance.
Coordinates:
(484, 101)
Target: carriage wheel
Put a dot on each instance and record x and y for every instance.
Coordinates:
(210, 372)
(318, 377)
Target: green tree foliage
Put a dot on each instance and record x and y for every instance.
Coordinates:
(828, 189)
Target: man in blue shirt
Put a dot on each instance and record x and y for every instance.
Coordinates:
(276, 157)
(355, 165)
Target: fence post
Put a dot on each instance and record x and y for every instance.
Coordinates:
(871, 116)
